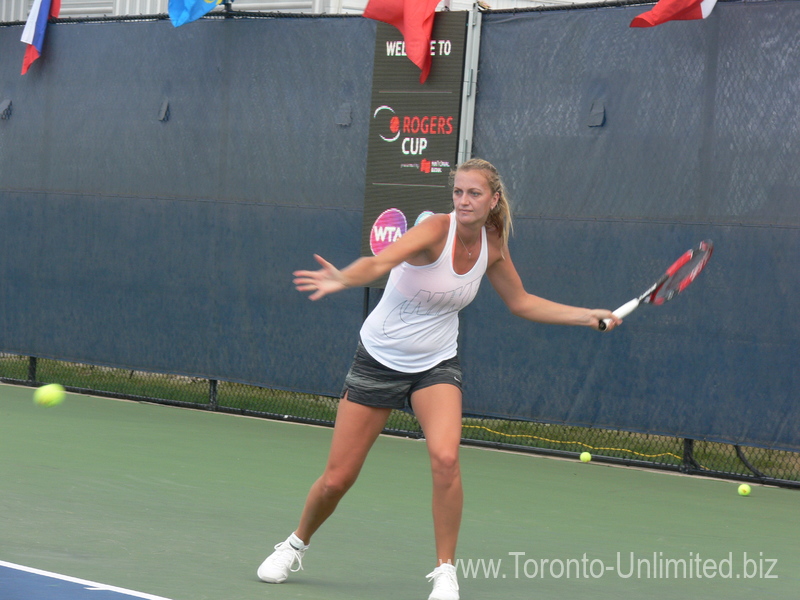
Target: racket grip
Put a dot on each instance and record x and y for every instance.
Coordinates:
(622, 312)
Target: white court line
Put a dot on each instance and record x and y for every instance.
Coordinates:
(91, 585)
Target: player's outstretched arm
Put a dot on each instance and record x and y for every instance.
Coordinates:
(507, 283)
(329, 279)
(417, 241)
(326, 280)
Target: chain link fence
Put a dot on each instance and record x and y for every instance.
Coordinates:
(688, 456)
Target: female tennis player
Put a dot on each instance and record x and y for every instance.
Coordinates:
(407, 352)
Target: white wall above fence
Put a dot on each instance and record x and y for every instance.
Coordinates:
(17, 10)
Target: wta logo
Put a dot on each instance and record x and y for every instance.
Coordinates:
(388, 227)
(413, 127)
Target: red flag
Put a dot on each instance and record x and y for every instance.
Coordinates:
(414, 19)
(674, 10)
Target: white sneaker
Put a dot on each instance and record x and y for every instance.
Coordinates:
(445, 584)
(278, 565)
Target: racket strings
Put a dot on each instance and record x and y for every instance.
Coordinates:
(683, 272)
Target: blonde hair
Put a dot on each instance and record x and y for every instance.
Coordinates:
(500, 216)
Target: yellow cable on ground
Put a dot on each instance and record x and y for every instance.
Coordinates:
(574, 443)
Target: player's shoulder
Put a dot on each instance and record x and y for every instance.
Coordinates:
(494, 236)
(498, 250)
(440, 218)
(438, 222)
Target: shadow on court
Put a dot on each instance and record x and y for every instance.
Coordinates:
(185, 505)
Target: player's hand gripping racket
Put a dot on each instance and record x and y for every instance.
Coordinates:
(673, 282)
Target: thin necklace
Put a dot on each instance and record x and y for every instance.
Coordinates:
(469, 252)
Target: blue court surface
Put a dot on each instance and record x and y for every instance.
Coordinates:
(18, 582)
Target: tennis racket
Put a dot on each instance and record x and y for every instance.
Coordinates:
(677, 278)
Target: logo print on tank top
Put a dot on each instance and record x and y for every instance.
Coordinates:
(430, 304)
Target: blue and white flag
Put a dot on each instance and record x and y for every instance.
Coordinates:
(186, 11)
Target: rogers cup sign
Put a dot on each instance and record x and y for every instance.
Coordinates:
(413, 127)
(413, 135)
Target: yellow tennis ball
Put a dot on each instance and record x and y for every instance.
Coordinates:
(585, 457)
(744, 490)
(51, 394)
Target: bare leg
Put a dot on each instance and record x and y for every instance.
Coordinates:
(438, 410)
(355, 431)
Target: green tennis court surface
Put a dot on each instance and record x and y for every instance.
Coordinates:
(186, 504)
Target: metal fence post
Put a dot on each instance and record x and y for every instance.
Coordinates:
(31, 369)
(689, 464)
(212, 394)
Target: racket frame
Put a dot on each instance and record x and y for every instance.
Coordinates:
(650, 296)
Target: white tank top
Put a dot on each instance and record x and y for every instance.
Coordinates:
(415, 325)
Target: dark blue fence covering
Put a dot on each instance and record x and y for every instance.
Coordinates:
(623, 148)
(168, 245)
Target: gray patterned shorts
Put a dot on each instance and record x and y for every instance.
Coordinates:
(372, 384)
